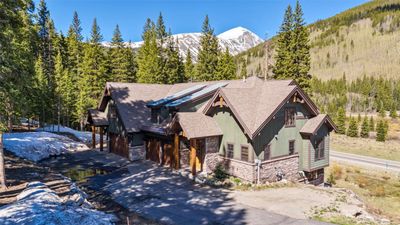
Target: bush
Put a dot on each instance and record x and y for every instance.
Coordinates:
(331, 179)
(219, 173)
(378, 191)
(337, 171)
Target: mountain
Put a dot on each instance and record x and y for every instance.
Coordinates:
(237, 40)
(364, 40)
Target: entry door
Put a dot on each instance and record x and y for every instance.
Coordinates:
(200, 154)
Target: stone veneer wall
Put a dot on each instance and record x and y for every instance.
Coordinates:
(248, 171)
(137, 153)
(184, 157)
(289, 166)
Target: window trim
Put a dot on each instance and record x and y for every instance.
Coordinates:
(227, 150)
(317, 153)
(248, 152)
(294, 146)
(287, 110)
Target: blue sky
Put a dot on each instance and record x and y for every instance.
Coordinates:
(263, 17)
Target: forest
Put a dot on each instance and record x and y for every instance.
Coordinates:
(52, 77)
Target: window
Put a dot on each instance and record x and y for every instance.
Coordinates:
(290, 117)
(291, 147)
(229, 151)
(267, 152)
(113, 112)
(244, 156)
(320, 150)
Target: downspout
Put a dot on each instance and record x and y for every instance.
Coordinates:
(258, 163)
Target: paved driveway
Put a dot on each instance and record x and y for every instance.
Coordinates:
(163, 195)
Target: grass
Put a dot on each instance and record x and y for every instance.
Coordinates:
(379, 190)
(342, 220)
(366, 146)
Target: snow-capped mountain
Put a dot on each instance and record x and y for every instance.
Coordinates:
(237, 40)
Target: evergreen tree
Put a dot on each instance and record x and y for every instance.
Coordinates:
(380, 131)
(365, 128)
(283, 68)
(301, 49)
(371, 124)
(208, 53)
(226, 66)
(161, 30)
(173, 67)
(393, 111)
(352, 131)
(132, 67)
(359, 118)
(148, 60)
(189, 67)
(381, 110)
(119, 62)
(94, 77)
(243, 70)
(341, 121)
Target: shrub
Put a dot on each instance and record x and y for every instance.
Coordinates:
(219, 173)
(331, 179)
(378, 191)
(337, 171)
(361, 181)
(352, 131)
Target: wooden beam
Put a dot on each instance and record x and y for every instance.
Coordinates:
(176, 151)
(101, 138)
(93, 136)
(193, 156)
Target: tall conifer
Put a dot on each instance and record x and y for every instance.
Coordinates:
(189, 67)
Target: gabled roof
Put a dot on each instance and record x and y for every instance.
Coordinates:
(197, 125)
(313, 124)
(254, 107)
(97, 118)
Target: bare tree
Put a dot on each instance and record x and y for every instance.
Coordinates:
(2, 170)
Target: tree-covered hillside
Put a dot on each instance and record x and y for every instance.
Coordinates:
(364, 40)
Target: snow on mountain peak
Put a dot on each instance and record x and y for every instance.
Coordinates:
(233, 33)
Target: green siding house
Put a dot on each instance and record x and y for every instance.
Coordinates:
(258, 130)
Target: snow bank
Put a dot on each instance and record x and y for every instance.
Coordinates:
(83, 136)
(36, 146)
(38, 204)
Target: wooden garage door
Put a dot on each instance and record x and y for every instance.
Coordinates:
(119, 145)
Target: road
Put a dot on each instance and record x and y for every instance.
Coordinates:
(387, 165)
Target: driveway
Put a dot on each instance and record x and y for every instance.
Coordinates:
(159, 194)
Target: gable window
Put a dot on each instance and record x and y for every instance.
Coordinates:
(290, 117)
(229, 151)
(244, 155)
(267, 152)
(113, 112)
(320, 150)
(291, 147)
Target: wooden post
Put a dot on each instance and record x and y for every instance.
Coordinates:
(101, 138)
(193, 156)
(176, 151)
(2, 170)
(93, 136)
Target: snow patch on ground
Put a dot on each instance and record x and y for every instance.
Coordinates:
(38, 204)
(36, 146)
(83, 136)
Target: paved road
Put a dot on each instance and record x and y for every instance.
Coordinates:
(388, 165)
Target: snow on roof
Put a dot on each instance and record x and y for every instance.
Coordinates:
(177, 95)
(207, 90)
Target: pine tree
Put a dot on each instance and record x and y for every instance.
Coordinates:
(359, 118)
(283, 58)
(301, 49)
(352, 131)
(381, 110)
(94, 77)
(189, 67)
(173, 66)
(226, 68)
(341, 121)
(119, 62)
(393, 111)
(243, 70)
(207, 62)
(132, 67)
(371, 124)
(148, 60)
(380, 131)
(365, 128)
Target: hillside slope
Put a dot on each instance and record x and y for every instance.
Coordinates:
(364, 40)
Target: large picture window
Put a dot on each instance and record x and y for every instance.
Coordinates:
(290, 117)
(320, 150)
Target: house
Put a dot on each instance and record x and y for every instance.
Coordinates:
(258, 130)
